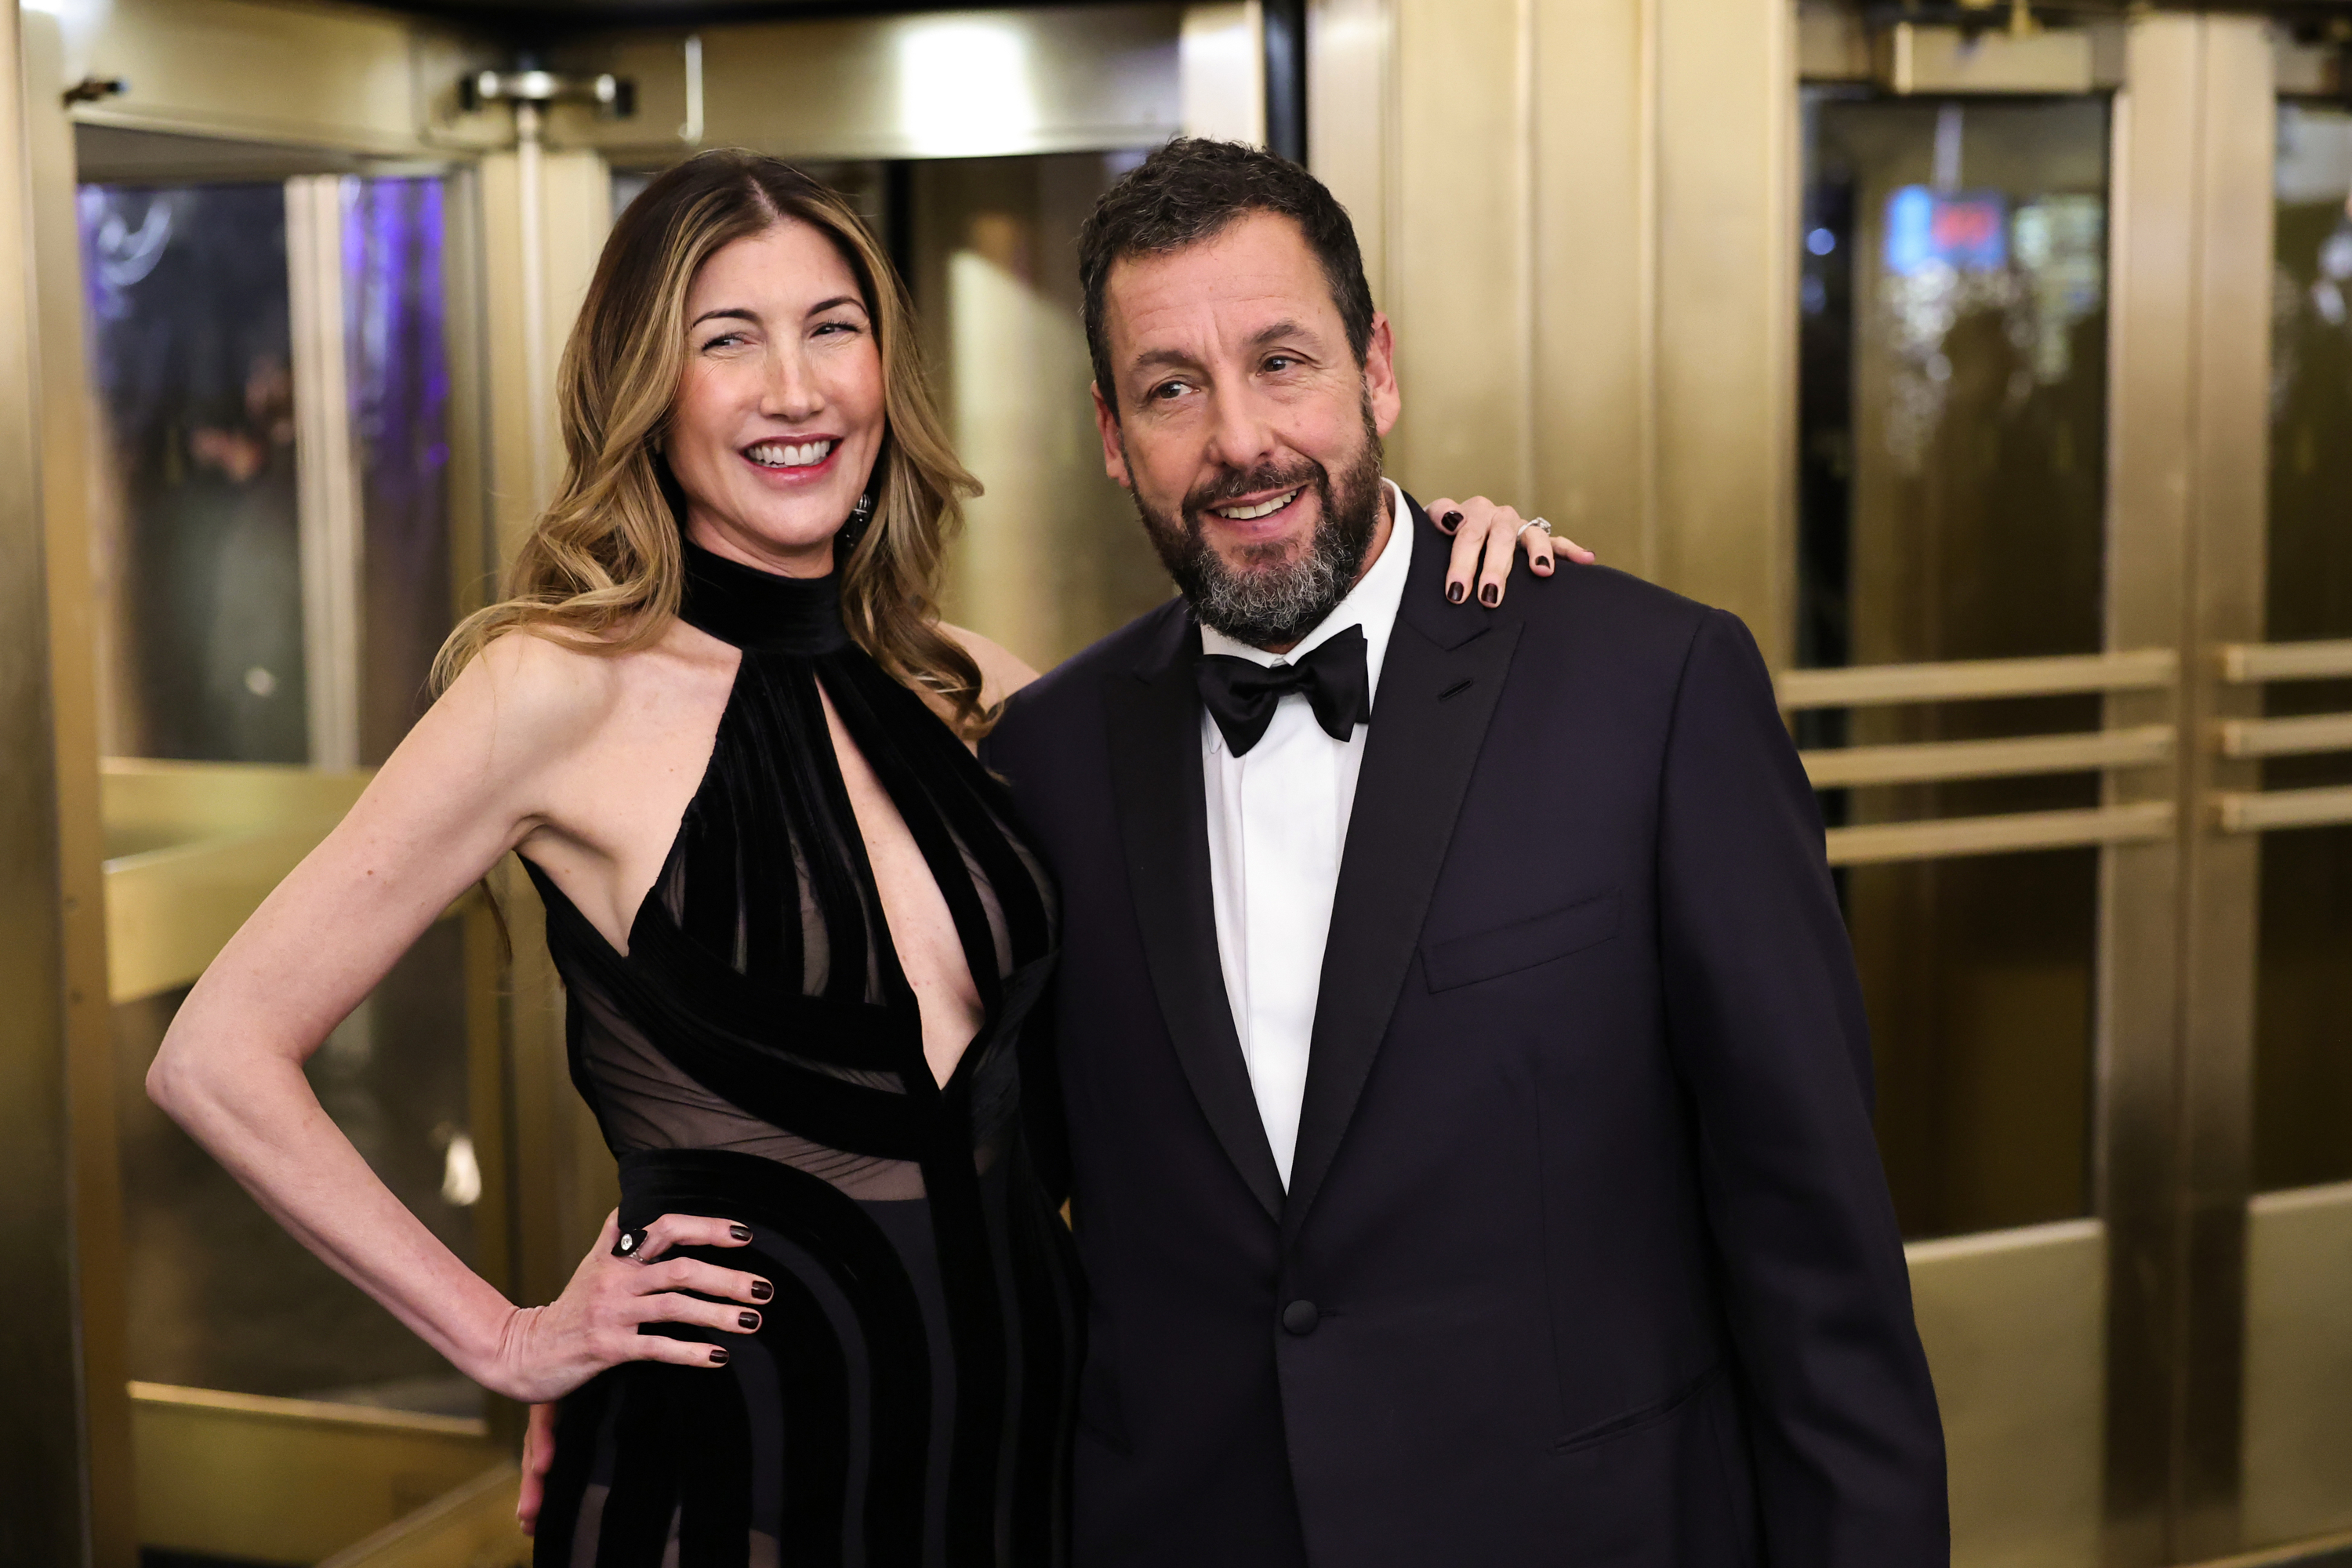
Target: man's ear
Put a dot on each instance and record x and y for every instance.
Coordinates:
(1114, 446)
(1380, 376)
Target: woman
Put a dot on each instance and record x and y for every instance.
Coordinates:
(833, 1319)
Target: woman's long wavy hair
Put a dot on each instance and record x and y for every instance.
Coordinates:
(602, 568)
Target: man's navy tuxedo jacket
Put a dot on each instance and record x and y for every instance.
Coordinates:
(1586, 1256)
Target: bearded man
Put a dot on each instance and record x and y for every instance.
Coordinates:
(1465, 1079)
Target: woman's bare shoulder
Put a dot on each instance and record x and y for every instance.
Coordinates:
(541, 694)
(1002, 671)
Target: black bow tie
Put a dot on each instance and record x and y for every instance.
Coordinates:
(1241, 696)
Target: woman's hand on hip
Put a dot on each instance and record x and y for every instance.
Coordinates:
(626, 1282)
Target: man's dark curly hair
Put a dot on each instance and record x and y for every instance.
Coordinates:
(1190, 191)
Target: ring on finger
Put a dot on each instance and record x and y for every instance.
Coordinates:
(632, 1242)
(1533, 522)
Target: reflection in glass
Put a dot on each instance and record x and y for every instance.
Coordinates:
(199, 579)
(2302, 1050)
(220, 1297)
(1053, 556)
(201, 640)
(398, 377)
(1952, 347)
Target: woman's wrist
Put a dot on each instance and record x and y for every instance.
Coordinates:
(485, 1352)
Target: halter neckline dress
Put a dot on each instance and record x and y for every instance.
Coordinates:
(757, 1054)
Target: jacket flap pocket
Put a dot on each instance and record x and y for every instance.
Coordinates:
(1523, 945)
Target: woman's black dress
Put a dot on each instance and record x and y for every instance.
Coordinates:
(757, 1055)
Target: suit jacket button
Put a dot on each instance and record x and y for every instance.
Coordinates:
(1300, 1317)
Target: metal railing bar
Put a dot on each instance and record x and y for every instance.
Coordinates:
(1879, 842)
(2287, 737)
(1878, 684)
(2258, 811)
(2248, 662)
(1930, 762)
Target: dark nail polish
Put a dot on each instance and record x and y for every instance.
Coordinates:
(1450, 521)
(739, 1232)
(747, 1320)
(1455, 592)
(718, 1355)
(762, 1289)
(1490, 595)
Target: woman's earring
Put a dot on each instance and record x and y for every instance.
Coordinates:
(853, 529)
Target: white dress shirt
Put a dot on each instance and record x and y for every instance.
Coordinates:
(1277, 823)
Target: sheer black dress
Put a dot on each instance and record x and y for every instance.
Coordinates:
(757, 1055)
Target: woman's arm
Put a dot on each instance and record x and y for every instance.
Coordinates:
(470, 783)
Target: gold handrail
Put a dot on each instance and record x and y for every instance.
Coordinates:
(2257, 811)
(1930, 762)
(1966, 679)
(1931, 840)
(2247, 663)
(2297, 737)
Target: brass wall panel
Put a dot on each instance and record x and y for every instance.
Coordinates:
(1459, 248)
(66, 450)
(1349, 80)
(332, 77)
(2150, 368)
(1911, 56)
(981, 83)
(2237, 117)
(1726, 254)
(2298, 1389)
(286, 1481)
(2013, 1322)
(1595, 302)
(1587, 229)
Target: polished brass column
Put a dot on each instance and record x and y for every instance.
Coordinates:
(2191, 265)
(542, 219)
(64, 1448)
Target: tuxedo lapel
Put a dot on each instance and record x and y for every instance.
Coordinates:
(1439, 684)
(1154, 723)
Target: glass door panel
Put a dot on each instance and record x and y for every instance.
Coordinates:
(205, 513)
(1953, 347)
(2303, 1075)
(2297, 1446)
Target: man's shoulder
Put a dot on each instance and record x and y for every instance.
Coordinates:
(1584, 606)
(1071, 690)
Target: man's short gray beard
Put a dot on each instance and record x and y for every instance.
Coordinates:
(1275, 606)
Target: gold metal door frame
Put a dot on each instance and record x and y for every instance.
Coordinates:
(2189, 263)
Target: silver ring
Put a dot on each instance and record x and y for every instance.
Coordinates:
(1533, 522)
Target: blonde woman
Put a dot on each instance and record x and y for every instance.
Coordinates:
(834, 1320)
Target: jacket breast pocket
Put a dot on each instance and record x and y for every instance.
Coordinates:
(1522, 945)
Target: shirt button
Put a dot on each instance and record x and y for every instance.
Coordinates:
(1300, 1317)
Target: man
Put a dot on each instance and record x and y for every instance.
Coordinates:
(1465, 1077)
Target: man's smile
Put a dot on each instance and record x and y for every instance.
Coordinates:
(1250, 511)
